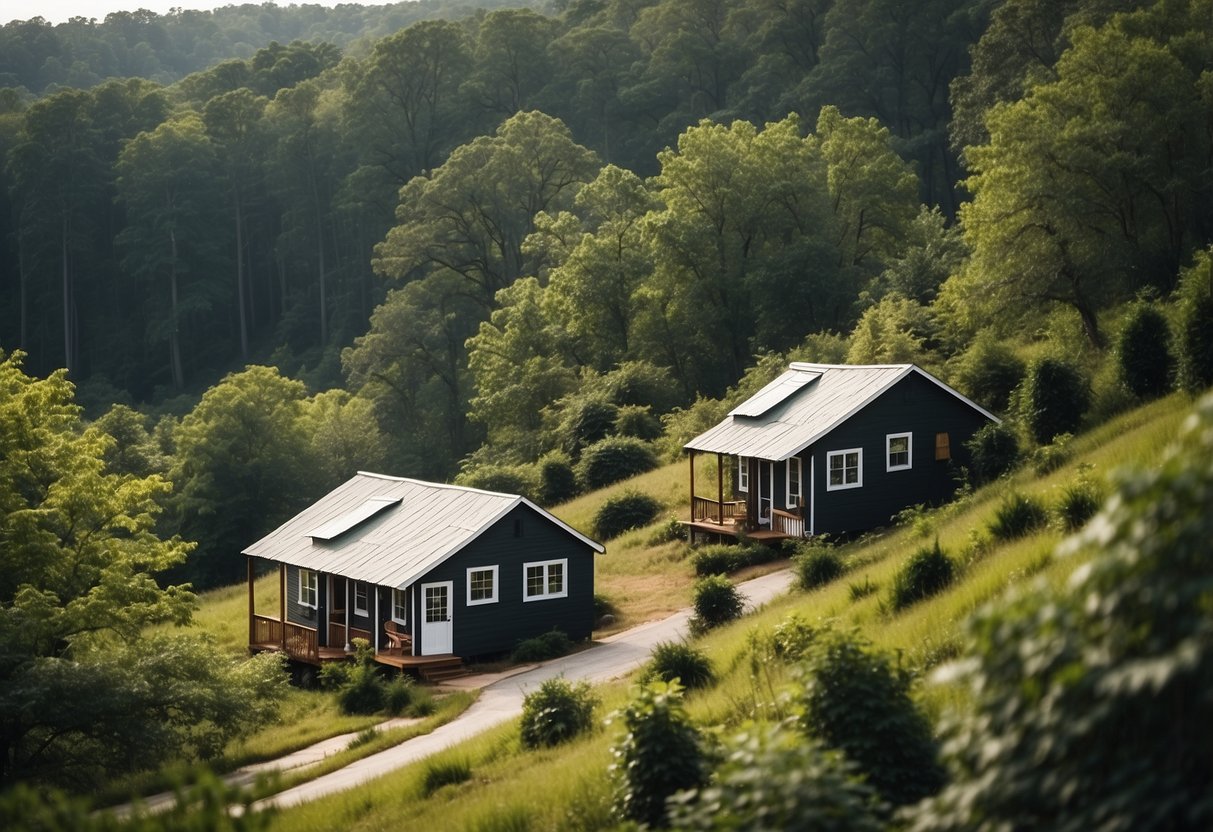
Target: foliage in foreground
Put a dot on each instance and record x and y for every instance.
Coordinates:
(557, 713)
(716, 601)
(83, 687)
(857, 700)
(770, 778)
(661, 753)
(1088, 702)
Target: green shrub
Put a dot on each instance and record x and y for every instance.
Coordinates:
(1017, 515)
(716, 602)
(668, 531)
(927, 572)
(770, 779)
(398, 695)
(672, 660)
(988, 372)
(993, 451)
(857, 592)
(505, 479)
(817, 566)
(792, 637)
(857, 700)
(661, 753)
(445, 772)
(1196, 344)
(1048, 458)
(1089, 703)
(363, 690)
(334, 675)
(585, 420)
(541, 648)
(614, 459)
(504, 819)
(556, 713)
(623, 512)
(723, 558)
(1143, 353)
(1078, 503)
(638, 421)
(557, 480)
(1054, 398)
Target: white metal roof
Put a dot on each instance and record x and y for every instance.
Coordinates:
(415, 526)
(812, 399)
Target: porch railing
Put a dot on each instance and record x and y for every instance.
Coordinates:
(300, 641)
(785, 522)
(337, 634)
(712, 511)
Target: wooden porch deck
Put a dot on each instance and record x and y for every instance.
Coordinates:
(301, 645)
(728, 529)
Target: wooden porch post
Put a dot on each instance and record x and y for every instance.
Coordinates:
(282, 603)
(691, 526)
(720, 488)
(752, 507)
(349, 647)
(252, 609)
(376, 623)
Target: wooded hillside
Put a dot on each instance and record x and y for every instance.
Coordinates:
(485, 242)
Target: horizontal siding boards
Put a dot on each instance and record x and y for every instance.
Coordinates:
(913, 405)
(495, 628)
(296, 613)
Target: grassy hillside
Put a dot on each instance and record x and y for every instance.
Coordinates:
(567, 788)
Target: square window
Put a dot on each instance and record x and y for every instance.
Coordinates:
(400, 605)
(544, 580)
(899, 451)
(360, 598)
(482, 585)
(793, 489)
(309, 588)
(844, 469)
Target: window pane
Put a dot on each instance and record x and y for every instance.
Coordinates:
(555, 578)
(481, 586)
(534, 580)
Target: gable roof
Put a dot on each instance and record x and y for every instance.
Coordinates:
(390, 531)
(804, 404)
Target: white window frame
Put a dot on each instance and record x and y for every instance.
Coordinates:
(546, 595)
(311, 586)
(858, 473)
(888, 451)
(743, 474)
(365, 609)
(492, 599)
(793, 501)
(400, 604)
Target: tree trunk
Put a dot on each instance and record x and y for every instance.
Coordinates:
(240, 290)
(173, 338)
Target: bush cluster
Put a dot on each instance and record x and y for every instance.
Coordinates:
(362, 689)
(672, 660)
(771, 779)
(1143, 353)
(556, 713)
(1048, 458)
(613, 459)
(445, 772)
(1054, 397)
(993, 451)
(1017, 515)
(927, 572)
(541, 648)
(660, 754)
(716, 601)
(557, 480)
(624, 512)
(1078, 503)
(723, 558)
(816, 566)
(857, 700)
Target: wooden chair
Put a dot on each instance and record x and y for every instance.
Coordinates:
(397, 639)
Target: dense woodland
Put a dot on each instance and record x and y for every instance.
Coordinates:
(246, 253)
(482, 242)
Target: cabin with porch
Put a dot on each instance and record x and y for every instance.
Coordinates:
(428, 574)
(831, 449)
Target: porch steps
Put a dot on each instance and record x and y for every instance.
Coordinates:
(440, 670)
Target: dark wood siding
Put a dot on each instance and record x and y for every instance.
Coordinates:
(493, 628)
(296, 612)
(913, 405)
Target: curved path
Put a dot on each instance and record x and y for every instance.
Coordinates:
(501, 700)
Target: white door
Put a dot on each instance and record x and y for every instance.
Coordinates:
(436, 614)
